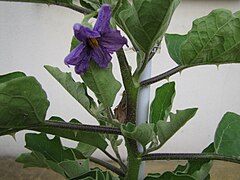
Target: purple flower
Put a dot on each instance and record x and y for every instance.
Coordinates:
(97, 43)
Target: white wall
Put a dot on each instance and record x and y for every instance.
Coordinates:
(32, 35)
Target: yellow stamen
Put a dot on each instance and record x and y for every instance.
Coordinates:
(93, 42)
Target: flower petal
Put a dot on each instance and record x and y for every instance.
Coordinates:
(73, 57)
(103, 21)
(112, 41)
(79, 57)
(83, 66)
(82, 33)
(101, 56)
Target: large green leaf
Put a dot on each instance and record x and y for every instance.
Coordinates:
(174, 42)
(102, 82)
(50, 153)
(167, 129)
(52, 149)
(23, 102)
(162, 103)
(10, 76)
(227, 136)
(90, 138)
(143, 133)
(146, 21)
(213, 39)
(76, 89)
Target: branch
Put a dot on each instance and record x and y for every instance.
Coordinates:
(82, 127)
(162, 76)
(108, 166)
(110, 156)
(55, 2)
(190, 156)
(125, 70)
(120, 162)
(129, 85)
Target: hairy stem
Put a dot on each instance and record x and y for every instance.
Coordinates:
(190, 156)
(121, 163)
(56, 2)
(110, 156)
(81, 127)
(134, 161)
(162, 76)
(108, 166)
(129, 85)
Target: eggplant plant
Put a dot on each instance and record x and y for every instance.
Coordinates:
(140, 24)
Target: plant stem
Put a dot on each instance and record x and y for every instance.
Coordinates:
(120, 162)
(111, 116)
(81, 127)
(108, 166)
(110, 156)
(134, 161)
(55, 2)
(162, 76)
(129, 85)
(190, 156)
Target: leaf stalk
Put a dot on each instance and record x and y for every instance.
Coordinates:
(162, 76)
(190, 156)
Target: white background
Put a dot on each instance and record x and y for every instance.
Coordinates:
(32, 35)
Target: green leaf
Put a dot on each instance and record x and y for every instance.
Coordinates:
(90, 138)
(56, 167)
(115, 142)
(102, 82)
(86, 149)
(67, 168)
(213, 39)
(168, 129)
(49, 153)
(197, 169)
(76, 89)
(90, 4)
(37, 159)
(143, 133)
(33, 159)
(174, 42)
(227, 136)
(9, 131)
(52, 149)
(162, 103)
(74, 169)
(10, 76)
(85, 21)
(23, 102)
(168, 176)
(98, 174)
(74, 43)
(145, 22)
